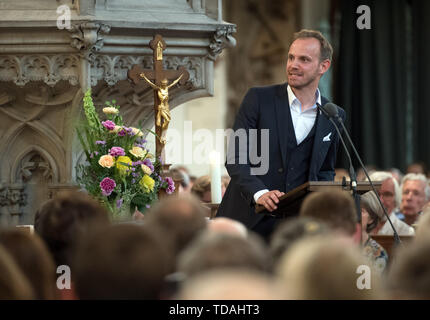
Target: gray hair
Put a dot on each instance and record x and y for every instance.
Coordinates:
(420, 177)
(384, 175)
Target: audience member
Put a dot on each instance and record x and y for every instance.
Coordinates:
(336, 209)
(227, 225)
(123, 261)
(409, 276)
(178, 219)
(33, 258)
(230, 284)
(371, 214)
(180, 175)
(326, 268)
(13, 283)
(417, 168)
(423, 224)
(415, 194)
(202, 189)
(292, 230)
(63, 220)
(391, 197)
(220, 250)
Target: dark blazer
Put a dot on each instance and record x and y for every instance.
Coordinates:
(268, 108)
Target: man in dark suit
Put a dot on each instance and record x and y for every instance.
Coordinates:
(281, 124)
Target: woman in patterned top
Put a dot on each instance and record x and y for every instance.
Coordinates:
(371, 215)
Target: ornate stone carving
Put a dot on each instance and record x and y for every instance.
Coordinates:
(3, 195)
(36, 163)
(16, 198)
(87, 38)
(112, 69)
(222, 39)
(47, 68)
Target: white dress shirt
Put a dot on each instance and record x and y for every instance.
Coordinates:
(402, 228)
(303, 121)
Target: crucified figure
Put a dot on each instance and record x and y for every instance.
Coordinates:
(163, 112)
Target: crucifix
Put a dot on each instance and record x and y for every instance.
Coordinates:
(158, 79)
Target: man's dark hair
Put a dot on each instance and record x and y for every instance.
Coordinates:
(326, 50)
(335, 208)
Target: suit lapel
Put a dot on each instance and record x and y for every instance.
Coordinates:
(283, 119)
(320, 147)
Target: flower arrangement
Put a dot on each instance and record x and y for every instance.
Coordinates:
(119, 172)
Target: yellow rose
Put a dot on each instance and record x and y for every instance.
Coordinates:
(147, 183)
(147, 170)
(137, 152)
(120, 166)
(107, 161)
(116, 129)
(149, 156)
(110, 110)
(137, 132)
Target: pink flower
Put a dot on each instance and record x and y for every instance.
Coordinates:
(170, 185)
(110, 125)
(107, 185)
(116, 151)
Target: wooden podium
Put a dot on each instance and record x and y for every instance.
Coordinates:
(290, 202)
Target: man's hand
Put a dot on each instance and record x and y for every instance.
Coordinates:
(270, 199)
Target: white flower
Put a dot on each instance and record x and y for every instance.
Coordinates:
(146, 169)
(137, 132)
(110, 110)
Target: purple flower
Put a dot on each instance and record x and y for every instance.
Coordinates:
(129, 131)
(148, 206)
(110, 125)
(122, 133)
(96, 153)
(101, 142)
(133, 181)
(116, 151)
(107, 185)
(170, 185)
(148, 163)
(119, 203)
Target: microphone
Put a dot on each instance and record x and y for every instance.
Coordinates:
(332, 111)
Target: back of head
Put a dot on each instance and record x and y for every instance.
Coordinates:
(293, 230)
(325, 267)
(409, 276)
(13, 283)
(123, 261)
(230, 284)
(32, 256)
(227, 225)
(335, 208)
(64, 219)
(219, 250)
(178, 218)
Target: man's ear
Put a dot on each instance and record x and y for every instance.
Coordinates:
(324, 66)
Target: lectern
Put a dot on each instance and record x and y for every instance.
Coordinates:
(289, 204)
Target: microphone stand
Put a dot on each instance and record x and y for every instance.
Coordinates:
(339, 119)
(351, 171)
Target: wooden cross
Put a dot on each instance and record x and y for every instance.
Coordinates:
(156, 76)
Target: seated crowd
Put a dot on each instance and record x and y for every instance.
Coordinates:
(174, 251)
